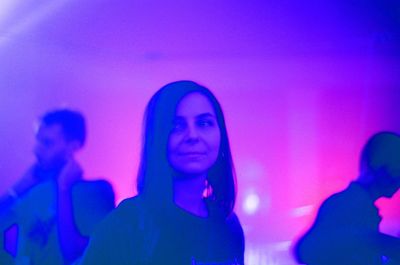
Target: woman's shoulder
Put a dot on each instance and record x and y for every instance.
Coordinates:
(130, 204)
(120, 227)
(233, 222)
(120, 217)
(233, 219)
(219, 212)
(128, 210)
(235, 240)
(230, 222)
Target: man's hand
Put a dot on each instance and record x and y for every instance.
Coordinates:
(71, 173)
(72, 243)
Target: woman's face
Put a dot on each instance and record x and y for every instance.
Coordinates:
(194, 141)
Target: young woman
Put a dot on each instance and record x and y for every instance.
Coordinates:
(183, 213)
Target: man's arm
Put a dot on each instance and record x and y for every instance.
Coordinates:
(72, 243)
(10, 198)
(7, 218)
(8, 213)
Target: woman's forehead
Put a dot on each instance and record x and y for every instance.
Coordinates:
(194, 104)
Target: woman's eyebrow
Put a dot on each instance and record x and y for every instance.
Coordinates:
(205, 115)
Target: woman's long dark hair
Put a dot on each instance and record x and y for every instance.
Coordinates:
(154, 179)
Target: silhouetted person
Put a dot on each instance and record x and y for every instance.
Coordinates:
(346, 230)
(54, 208)
(186, 184)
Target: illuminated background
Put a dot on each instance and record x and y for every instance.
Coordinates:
(302, 83)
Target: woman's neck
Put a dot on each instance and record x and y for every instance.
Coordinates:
(188, 194)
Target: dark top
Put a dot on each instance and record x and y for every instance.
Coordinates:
(135, 234)
(346, 231)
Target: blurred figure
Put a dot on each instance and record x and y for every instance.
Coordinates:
(346, 230)
(186, 184)
(54, 209)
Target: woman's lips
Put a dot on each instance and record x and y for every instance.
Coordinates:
(192, 155)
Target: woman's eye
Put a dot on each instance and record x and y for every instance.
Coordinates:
(205, 123)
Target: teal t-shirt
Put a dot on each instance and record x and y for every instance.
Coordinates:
(38, 242)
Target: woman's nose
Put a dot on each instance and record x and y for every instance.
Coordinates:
(192, 133)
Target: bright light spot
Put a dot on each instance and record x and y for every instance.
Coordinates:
(251, 203)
